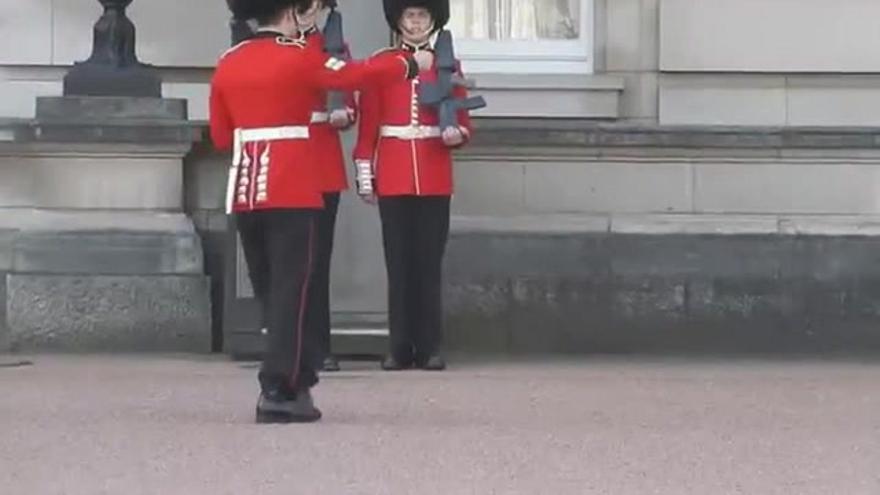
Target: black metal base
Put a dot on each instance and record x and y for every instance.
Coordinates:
(89, 79)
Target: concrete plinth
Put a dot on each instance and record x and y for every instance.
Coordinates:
(95, 250)
(102, 281)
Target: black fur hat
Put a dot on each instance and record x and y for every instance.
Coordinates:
(263, 10)
(394, 10)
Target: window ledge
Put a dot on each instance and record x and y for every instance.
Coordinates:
(550, 81)
(549, 95)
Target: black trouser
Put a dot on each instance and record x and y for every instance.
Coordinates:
(318, 315)
(279, 248)
(414, 233)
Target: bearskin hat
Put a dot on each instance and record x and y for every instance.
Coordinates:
(394, 10)
(263, 10)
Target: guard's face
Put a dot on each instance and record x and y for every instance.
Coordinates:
(309, 17)
(416, 24)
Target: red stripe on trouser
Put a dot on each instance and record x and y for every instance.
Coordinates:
(303, 300)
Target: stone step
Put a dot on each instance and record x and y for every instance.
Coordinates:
(359, 341)
(346, 342)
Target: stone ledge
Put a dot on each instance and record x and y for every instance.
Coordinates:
(107, 253)
(96, 149)
(543, 133)
(140, 131)
(92, 220)
(830, 225)
(695, 224)
(549, 133)
(109, 108)
(119, 243)
(667, 224)
(537, 224)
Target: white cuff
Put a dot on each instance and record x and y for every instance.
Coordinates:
(364, 177)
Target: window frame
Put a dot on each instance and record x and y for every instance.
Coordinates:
(540, 57)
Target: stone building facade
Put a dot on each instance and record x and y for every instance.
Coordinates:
(649, 175)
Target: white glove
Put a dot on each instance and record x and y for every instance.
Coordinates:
(340, 119)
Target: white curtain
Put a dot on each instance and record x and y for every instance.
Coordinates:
(515, 19)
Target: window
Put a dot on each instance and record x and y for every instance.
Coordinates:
(549, 36)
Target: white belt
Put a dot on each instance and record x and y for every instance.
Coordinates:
(410, 131)
(320, 117)
(259, 134)
(274, 133)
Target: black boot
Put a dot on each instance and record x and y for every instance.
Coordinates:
(331, 364)
(432, 362)
(305, 407)
(392, 363)
(277, 407)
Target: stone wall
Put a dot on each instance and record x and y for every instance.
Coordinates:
(539, 167)
(610, 238)
(729, 239)
(778, 63)
(574, 291)
(725, 239)
(673, 62)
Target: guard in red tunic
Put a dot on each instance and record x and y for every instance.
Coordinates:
(335, 112)
(404, 157)
(263, 94)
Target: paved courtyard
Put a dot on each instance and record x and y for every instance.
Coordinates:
(183, 425)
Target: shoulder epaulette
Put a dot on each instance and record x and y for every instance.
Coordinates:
(288, 41)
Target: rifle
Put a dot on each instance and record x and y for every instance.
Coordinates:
(334, 45)
(440, 95)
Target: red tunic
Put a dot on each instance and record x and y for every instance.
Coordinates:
(401, 138)
(325, 138)
(262, 97)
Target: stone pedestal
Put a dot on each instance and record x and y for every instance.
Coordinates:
(96, 252)
(98, 80)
